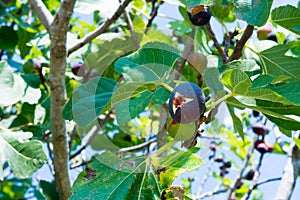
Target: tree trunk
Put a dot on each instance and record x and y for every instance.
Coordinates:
(58, 63)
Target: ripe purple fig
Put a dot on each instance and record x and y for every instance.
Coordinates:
(78, 69)
(250, 174)
(227, 164)
(263, 147)
(186, 103)
(259, 129)
(213, 146)
(200, 15)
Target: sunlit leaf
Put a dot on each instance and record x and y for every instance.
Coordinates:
(24, 156)
(255, 12)
(288, 17)
(150, 63)
(89, 100)
(177, 163)
(113, 178)
(275, 62)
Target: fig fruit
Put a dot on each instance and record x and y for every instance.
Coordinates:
(78, 69)
(213, 146)
(263, 32)
(250, 174)
(186, 103)
(198, 61)
(227, 164)
(263, 147)
(259, 129)
(200, 15)
(255, 113)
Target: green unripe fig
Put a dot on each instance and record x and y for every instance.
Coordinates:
(198, 61)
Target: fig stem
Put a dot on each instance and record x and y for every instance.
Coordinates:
(167, 87)
(223, 98)
(164, 148)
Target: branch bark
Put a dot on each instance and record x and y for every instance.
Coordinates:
(237, 52)
(290, 173)
(240, 174)
(58, 62)
(41, 12)
(101, 29)
(217, 45)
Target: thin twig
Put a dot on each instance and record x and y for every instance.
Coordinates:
(136, 147)
(88, 138)
(131, 29)
(255, 178)
(240, 173)
(206, 176)
(237, 52)
(101, 29)
(267, 181)
(208, 194)
(154, 13)
(41, 11)
(217, 45)
(188, 48)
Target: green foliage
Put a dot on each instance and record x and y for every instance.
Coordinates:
(253, 12)
(276, 63)
(91, 97)
(288, 17)
(110, 177)
(5, 33)
(16, 148)
(125, 88)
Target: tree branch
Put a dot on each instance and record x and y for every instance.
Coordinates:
(101, 29)
(237, 52)
(41, 12)
(136, 147)
(209, 194)
(58, 62)
(290, 173)
(217, 45)
(240, 173)
(131, 29)
(154, 13)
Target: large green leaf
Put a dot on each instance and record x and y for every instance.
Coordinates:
(131, 108)
(111, 178)
(89, 101)
(223, 11)
(150, 63)
(255, 12)
(289, 90)
(107, 52)
(177, 163)
(8, 38)
(212, 80)
(240, 84)
(275, 62)
(278, 113)
(24, 156)
(11, 85)
(277, 103)
(288, 17)
(237, 124)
